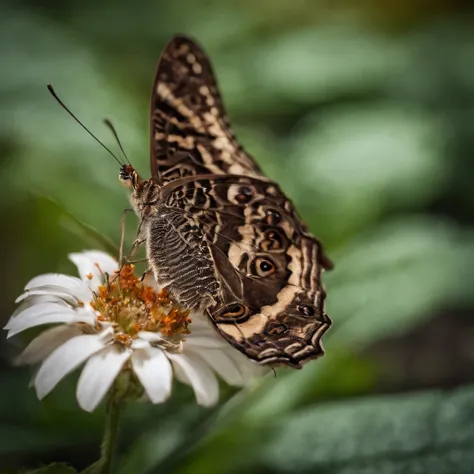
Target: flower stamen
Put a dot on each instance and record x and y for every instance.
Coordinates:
(131, 306)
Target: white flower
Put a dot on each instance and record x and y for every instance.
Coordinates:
(112, 321)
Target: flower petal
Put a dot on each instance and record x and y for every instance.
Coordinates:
(249, 369)
(234, 367)
(150, 336)
(65, 282)
(66, 358)
(180, 374)
(202, 327)
(36, 299)
(153, 369)
(200, 320)
(140, 344)
(37, 310)
(98, 375)
(47, 313)
(83, 294)
(221, 363)
(49, 340)
(199, 376)
(206, 342)
(92, 265)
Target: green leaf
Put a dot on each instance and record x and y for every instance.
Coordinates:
(390, 279)
(21, 439)
(49, 153)
(55, 468)
(360, 162)
(426, 432)
(88, 234)
(326, 62)
(56, 232)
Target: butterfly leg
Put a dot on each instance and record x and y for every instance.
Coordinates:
(122, 234)
(145, 274)
(136, 244)
(139, 240)
(134, 248)
(140, 260)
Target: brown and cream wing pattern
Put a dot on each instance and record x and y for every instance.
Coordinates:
(267, 298)
(190, 133)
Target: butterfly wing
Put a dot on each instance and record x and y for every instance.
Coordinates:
(266, 296)
(226, 238)
(190, 134)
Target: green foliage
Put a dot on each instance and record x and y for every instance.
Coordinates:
(424, 432)
(401, 271)
(429, 432)
(368, 128)
(55, 468)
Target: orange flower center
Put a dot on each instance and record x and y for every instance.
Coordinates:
(131, 306)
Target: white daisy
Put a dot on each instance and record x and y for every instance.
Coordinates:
(114, 322)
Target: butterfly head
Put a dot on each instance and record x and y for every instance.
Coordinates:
(128, 176)
(145, 192)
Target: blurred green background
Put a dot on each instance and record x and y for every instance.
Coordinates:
(364, 112)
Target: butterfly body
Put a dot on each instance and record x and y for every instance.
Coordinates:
(220, 235)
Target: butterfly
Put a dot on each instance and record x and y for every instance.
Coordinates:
(220, 236)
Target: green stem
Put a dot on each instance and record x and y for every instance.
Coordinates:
(107, 449)
(110, 436)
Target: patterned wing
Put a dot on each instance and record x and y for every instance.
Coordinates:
(266, 297)
(190, 134)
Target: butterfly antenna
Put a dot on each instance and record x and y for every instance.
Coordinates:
(61, 103)
(109, 125)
